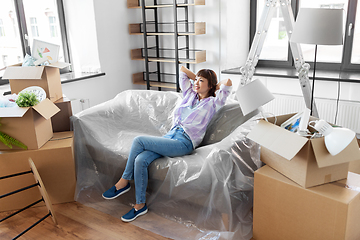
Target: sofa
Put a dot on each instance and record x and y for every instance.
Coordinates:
(210, 189)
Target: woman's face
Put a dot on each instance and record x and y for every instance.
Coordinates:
(201, 86)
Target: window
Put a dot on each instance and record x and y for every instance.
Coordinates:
(2, 30)
(15, 28)
(276, 50)
(276, 45)
(34, 27)
(53, 26)
(30, 19)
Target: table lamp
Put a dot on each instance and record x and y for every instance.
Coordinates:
(319, 26)
(253, 96)
(336, 139)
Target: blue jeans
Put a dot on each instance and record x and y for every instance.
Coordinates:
(145, 149)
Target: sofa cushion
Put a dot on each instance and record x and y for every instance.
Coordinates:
(224, 122)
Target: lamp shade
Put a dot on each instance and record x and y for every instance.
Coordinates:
(319, 26)
(336, 139)
(252, 96)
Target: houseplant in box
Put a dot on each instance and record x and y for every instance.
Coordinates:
(30, 96)
(27, 99)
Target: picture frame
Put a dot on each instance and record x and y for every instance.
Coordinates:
(292, 124)
(298, 122)
(45, 50)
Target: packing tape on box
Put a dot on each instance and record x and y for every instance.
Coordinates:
(354, 188)
(327, 178)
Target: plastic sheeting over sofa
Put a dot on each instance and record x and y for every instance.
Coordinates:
(210, 190)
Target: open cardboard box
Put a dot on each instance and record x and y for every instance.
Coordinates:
(61, 121)
(355, 166)
(30, 125)
(47, 77)
(305, 161)
(285, 210)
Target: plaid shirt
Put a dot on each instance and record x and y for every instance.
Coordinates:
(196, 122)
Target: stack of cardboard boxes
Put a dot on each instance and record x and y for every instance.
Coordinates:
(303, 192)
(45, 130)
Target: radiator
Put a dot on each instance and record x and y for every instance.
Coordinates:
(348, 111)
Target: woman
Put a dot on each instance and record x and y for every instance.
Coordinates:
(198, 106)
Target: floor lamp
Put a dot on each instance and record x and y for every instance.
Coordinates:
(319, 26)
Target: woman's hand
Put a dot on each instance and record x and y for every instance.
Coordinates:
(189, 73)
(226, 82)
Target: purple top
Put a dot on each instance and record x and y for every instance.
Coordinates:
(196, 122)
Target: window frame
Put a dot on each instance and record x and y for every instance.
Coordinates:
(348, 41)
(345, 64)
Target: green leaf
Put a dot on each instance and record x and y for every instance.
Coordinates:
(4, 140)
(27, 99)
(9, 141)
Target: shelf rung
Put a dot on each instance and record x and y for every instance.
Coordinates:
(199, 29)
(160, 34)
(159, 6)
(133, 4)
(200, 56)
(168, 60)
(138, 78)
(162, 84)
(135, 29)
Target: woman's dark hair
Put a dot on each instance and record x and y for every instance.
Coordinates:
(210, 75)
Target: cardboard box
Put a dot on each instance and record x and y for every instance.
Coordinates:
(61, 120)
(305, 161)
(354, 167)
(30, 125)
(55, 164)
(47, 77)
(285, 210)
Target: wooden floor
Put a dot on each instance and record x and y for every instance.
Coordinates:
(97, 221)
(75, 221)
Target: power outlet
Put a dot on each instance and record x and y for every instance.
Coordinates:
(79, 105)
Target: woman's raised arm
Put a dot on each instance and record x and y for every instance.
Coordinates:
(226, 82)
(189, 73)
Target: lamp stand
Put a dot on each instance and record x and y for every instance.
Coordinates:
(313, 83)
(262, 113)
